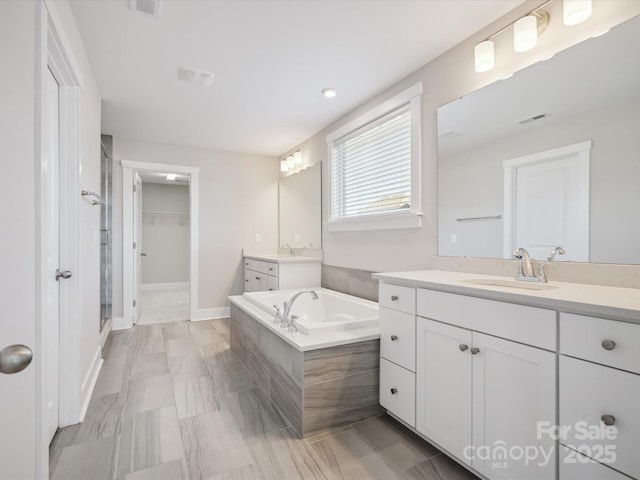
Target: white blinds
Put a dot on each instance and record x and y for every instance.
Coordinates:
(371, 168)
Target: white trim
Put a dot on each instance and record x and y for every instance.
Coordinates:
(385, 221)
(119, 324)
(128, 167)
(401, 99)
(89, 382)
(104, 333)
(210, 314)
(150, 287)
(510, 168)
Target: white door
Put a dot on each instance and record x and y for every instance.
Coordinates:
(514, 388)
(547, 195)
(18, 239)
(137, 245)
(443, 385)
(51, 248)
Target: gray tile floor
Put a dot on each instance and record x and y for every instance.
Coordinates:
(173, 402)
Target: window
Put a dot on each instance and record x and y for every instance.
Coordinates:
(375, 167)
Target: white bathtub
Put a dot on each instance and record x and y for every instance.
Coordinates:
(332, 311)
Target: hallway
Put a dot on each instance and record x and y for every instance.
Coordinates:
(173, 402)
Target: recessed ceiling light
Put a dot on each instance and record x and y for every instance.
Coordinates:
(329, 92)
(171, 176)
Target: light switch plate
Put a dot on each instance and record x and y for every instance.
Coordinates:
(258, 238)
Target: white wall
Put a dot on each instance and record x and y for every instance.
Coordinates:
(445, 79)
(238, 199)
(471, 184)
(165, 238)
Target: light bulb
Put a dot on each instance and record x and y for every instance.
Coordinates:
(484, 56)
(575, 11)
(297, 157)
(525, 33)
(283, 166)
(291, 161)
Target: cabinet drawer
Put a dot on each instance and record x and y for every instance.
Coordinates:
(398, 337)
(398, 298)
(272, 269)
(588, 392)
(248, 264)
(572, 468)
(398, 391)
(260, 266)
(586, 337)
(272, 283)
(247, 280)
(528, 325)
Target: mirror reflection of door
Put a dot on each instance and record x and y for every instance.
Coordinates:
(547, 203)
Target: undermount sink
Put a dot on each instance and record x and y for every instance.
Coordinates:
(509, 283)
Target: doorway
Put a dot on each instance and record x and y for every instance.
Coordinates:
(163, 266)
(160, 243)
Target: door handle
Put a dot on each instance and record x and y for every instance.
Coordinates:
(143, 254)
(15, 358)
(64, 274)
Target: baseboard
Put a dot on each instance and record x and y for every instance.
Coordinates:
(118, 323)
(90, 382)
(104, 334)
(148, 287)
(210, 314)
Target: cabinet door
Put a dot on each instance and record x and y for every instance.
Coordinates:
(443, 385)
(514, 388)
(272, 283)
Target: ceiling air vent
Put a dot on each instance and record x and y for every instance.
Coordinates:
(146, 7)
(540, 116)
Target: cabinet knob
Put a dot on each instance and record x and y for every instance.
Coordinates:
(394, 338)
(270, 269)
(463, 347)
(475, 350)
(257, 278)
(394, 391)
(608, 344)
(608, 420)
(247, 280)
(394, 298)
(246, 263)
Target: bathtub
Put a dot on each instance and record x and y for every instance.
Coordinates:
(333, 311)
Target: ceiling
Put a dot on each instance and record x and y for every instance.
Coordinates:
(271, 59)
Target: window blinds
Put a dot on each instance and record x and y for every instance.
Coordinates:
(371, 168)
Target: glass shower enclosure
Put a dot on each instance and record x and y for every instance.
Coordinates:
(106, 182)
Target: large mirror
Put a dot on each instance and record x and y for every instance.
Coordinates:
(549, 157)
(300, 208)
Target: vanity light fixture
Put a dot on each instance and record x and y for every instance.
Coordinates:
(329, 92)
(525, 33)
(484, 55)
(291, 162)
(297, 157)
(171, 176)
(575, 11)
(283, 166)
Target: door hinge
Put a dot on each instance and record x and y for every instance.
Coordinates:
(134, 303)
(135, 245)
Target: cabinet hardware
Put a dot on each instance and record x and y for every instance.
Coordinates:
(394, 298)
(257, 278)
(394, 338)
(394, 391)
(475, 350)
(463, 347)
(608, 420)
(608, 344)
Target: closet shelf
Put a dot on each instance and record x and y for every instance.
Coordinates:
(179, 214)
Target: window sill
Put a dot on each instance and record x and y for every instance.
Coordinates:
(377, 222)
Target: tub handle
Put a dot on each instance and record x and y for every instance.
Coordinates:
(394, 391)
(394, 298)
(394, 338)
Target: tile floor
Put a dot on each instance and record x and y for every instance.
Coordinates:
(173, 402)
(164, 306)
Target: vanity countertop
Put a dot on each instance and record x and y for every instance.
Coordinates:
(594, 300)
(283, 258)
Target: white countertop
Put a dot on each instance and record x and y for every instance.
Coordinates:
(283, 258)
(593, 300)
(301, 341)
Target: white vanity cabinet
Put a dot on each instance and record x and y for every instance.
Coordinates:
(264, 274)
(600, 386)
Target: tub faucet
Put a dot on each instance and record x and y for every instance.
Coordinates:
(525, 268)
(287, 306)
(291, 252)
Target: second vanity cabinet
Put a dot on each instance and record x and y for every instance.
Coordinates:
(262, 274)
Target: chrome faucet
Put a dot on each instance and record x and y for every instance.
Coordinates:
(291, 252)
(286, 321)
(554, 252)
(525, 268)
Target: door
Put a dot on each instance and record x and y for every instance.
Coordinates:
(549, 194)
(51, 248)
(443, 385)
(514, 388)
(137, 245)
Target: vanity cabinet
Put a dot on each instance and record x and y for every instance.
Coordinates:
(600, 386)
(263, 275)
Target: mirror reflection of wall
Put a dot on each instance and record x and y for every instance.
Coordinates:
(588, 93)
(300, 208)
